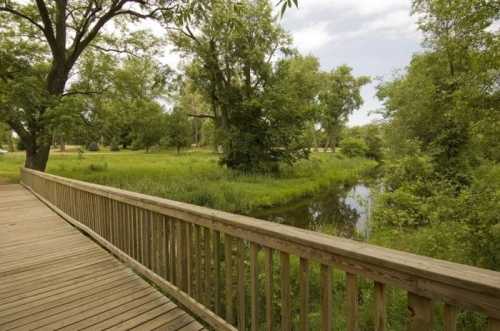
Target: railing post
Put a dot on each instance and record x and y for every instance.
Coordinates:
(380, 312)
(450, 317)
(420, 313)
(326, 297)
(493, 324)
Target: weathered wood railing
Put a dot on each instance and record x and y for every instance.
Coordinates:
(221, 265)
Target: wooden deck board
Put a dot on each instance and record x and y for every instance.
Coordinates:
(54, 277)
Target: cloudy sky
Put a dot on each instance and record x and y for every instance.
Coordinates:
(374, 37)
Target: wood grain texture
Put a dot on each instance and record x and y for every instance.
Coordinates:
(49, 281)
(304, 294)
(419, 313)
(352, 302)
(326, 297)
(155, 240)
(286, 314)
(450, 317)
(380, 304)
(468, 287)
(493, 324)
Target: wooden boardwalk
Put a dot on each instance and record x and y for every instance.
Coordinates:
(54, 277)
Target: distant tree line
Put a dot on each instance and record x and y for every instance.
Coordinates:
(243, 88)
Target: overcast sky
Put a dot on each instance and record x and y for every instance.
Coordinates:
(374, 37)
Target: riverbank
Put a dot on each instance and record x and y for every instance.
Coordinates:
(196, 177)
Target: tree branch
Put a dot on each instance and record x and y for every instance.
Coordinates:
(81, 93)
(26, 17)
(47, 25)
(201, 115)
(115, 50)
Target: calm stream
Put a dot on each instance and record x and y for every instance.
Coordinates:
(340, 210)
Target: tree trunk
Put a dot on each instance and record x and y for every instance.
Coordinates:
(62, 145)
(37, 157)
(327, 144)
(333, 142)
(10, 141)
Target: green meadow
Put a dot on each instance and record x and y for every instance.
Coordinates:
(196, 177)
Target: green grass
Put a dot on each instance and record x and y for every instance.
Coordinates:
(196, 177)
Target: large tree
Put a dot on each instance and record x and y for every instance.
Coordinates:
(40, 44)
(340, 95)
(447, 100)
(233, 51)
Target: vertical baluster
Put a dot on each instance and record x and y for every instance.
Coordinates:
(228, 256)
(128, 224)
(164, 247)
(216, 244)
(254, 250)
(122, 223)
(197, 265)
(304, 293)
(269, 287)
(154, 228)
(91, 210)
(493, 324)
(138, 214)
(450, 317)
(241, 285)
(189, 253)
(144, 237)
(285, 292)
(380, 314)
(111, 221)
(183, 255)
(207, 254)
(352, 302)
(178, 266)
(420, 313)
(137, 227)
(326, 297)
(117, 230)
(98, 209)
(149, 220)
(172, 252)
(168, 267)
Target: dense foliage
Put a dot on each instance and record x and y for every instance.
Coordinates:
(258, 117)
(442, 179)
(41, 46)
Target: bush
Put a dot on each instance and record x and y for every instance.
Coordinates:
(98, 167)
(353, 147)
(93, 147)
(20, 145)
(114, 146)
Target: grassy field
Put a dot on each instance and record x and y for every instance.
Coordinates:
(196, 177)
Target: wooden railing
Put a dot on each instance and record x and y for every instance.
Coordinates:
(237, 272)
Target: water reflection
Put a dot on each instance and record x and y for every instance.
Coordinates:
(340, 210)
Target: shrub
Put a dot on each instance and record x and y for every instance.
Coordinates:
(93, 147)
(353, 147)
(20, 145)
(98, 167)
(114, 146)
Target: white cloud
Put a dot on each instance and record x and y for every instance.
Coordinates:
(375, 37)
(311, 38)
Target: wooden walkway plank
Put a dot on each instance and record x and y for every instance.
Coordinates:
(61, 311)
(54, 277)
(118, 315)
(79, 298)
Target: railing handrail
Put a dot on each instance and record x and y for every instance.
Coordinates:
(464, 285)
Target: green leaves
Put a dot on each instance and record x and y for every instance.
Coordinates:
(285, 4)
